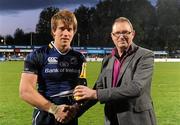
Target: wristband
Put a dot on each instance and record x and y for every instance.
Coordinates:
(53, 108)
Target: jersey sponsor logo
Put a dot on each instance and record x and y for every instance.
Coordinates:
(52, 60)
(63, 70)
(48, 70)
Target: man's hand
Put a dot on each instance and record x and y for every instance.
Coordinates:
(84, 93)
(62, 113)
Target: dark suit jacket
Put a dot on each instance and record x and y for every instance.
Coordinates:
(130, 102)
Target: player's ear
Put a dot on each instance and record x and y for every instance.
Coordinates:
(53, 33)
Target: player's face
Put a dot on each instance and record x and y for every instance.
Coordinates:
(122, 35)
(63, 35)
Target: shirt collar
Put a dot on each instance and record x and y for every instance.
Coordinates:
(125, 53)
(52, 43)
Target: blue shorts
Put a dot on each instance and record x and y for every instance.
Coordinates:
(44, 118)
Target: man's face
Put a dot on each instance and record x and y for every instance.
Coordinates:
(122, 35)
(63, 34)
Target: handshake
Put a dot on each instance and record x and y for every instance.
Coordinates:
(63, 113)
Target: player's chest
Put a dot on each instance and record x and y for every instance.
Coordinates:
(57, 65)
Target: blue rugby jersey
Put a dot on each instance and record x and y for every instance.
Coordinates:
(56, 72)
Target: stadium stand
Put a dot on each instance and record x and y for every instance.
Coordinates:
(16, 53)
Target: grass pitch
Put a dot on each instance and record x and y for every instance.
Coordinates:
(165, 94)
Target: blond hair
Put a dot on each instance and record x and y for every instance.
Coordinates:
(67, 17)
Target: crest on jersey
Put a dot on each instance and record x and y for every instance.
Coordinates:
(64, 64)
(52, 60)
(74, 61)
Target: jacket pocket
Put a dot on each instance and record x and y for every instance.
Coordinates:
(143, 107)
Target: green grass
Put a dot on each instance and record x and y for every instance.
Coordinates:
(165, 93)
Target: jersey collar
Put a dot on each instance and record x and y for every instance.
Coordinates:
(52, 43)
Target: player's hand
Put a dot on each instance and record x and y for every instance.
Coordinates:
(65, 113)
(84, 93)
(62, 113)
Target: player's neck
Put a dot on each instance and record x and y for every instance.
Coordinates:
(63, 49)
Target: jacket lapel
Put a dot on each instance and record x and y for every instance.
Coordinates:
(126, 62)
(110, 71)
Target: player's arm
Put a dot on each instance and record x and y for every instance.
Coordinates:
(28, 92)
(28, 82)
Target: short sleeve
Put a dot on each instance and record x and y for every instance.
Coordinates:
(31, 64)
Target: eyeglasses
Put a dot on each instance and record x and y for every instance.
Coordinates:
(124, 33)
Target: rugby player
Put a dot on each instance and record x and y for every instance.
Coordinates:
(51, 72)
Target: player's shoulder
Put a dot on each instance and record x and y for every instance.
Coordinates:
(78, 54)
(38, 53)
(42, 50)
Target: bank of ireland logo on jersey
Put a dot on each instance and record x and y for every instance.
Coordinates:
(52, 60)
